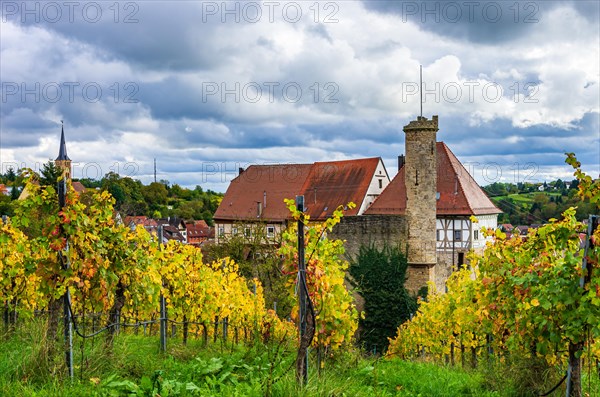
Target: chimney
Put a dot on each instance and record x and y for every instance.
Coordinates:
(240, 170)
(420, 178)
(401, 160)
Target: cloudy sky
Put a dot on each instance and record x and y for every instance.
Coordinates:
(208, 87)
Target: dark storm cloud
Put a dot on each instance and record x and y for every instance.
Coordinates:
(155, 35)
(485, 22)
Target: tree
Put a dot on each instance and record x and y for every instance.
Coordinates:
(10, 176)
(190, 210)
(14, 192)
(155, 194)
(379, 275)
(50, 174)
(6, 207)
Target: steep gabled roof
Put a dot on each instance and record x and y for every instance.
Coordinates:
(334, 183)
(459, 193)
(247, 190)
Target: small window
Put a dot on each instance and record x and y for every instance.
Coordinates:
(457, 235)
(270, 231)
(234, 231)
(476, 234)
(247, 232)
(380, 183)
(221, 231)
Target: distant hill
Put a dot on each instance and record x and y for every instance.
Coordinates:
(528, 203)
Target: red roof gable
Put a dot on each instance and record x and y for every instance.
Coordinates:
(459, 193)
(334, 183)
(247, 190)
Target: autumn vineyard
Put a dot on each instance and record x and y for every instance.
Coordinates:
(536, 299)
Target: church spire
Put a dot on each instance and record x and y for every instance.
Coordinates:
(62, 153)
(63, 161)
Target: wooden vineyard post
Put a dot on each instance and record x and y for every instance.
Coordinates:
(163, 306)
(574, 369)
(302, 358)
(68, 326)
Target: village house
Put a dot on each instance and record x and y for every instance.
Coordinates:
(198, 232)
(149, 224)
(173, 229)
(433, 209)
(507, 228)
(254, 201)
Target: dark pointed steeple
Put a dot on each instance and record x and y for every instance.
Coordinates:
(62, 153)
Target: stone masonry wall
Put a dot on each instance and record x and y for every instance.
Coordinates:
(380, 230)
(372, 229)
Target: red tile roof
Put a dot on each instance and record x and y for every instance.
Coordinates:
(325, 186)
(78, 187)
(248, 189)
(459, 193)
(140, 220)
(334, 183)
(197, 229)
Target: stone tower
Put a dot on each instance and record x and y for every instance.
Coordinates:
(420, 177)
(63, 161)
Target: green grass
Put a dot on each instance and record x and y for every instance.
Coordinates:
(524, 198)
(134, 367)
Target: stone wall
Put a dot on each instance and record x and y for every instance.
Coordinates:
(417, 277)
(372, 229)
(381, 230)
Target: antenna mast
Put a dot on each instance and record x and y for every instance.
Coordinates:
(155, 170)
(421, 86)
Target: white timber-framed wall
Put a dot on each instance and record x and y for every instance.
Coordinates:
(458, 235)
